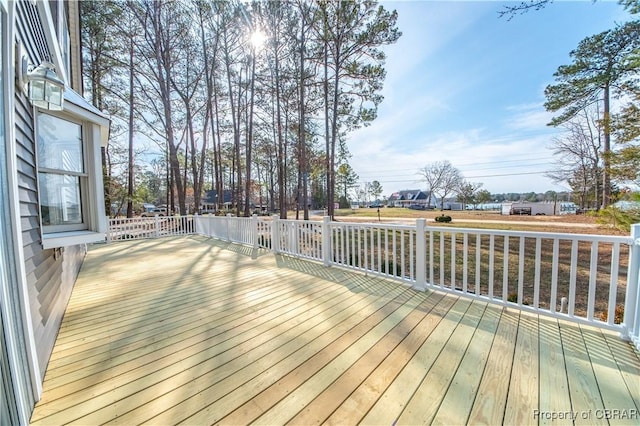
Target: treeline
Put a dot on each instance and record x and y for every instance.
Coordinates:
(255, 99)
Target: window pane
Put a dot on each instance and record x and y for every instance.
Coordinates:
(59, 144)
(60, 199)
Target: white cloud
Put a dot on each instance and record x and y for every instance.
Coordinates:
(527, 117)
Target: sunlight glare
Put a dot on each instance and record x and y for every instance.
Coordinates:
(258, 39)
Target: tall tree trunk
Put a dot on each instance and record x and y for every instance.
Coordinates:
(304, 169)
(130, 180)
(606, 176)
(280, 158)
(248, 148)
(218, 155)
(163, 58)
(334, 128)
(328, 136)
(236, 138)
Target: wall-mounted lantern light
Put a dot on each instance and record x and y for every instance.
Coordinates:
(44, 88)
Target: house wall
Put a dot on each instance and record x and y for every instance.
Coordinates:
(50, 274)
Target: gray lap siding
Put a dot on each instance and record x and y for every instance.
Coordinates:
(49, 276)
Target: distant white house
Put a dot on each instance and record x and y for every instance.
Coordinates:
(51, 189)
(408, 197)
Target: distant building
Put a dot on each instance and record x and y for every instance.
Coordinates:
(408, 197)
(210, 203)
(627, 205)
(539, 209)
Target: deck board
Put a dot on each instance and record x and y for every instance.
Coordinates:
(522, 399)
(312, 387)
(321, 342)
(583, 387)
(490, 400)
(457, 402)
(391, 404)
(369, 391)
(554, 388)
(197, 331)
(425, 402)
(628, 364)
(321, 407)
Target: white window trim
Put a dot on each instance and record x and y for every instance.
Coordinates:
(94, 137)
(63, 239)
(82, 176)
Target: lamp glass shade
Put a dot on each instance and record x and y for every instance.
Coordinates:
(46, 90)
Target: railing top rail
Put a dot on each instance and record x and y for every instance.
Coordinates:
(409, 227)
(535, 234)
(375, 225)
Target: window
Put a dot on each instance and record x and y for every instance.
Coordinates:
(70, 189)
(61, 173)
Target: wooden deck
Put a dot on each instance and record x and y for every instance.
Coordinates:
(196, 331)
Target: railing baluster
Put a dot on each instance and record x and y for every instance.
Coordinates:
(536, 280)
(431, 268)
(379, 255)
(442, 277)
(490, 283)
(478, 253)
(395, 249)
(352, 253)
(412, 271)
(573, 276)
(613, 283)
(505, 269)
(365, 237)
(554, 275)
(465, 261)
(593, 275)
(403, 265)
(453, 260)
(521, 254)
(343, 248)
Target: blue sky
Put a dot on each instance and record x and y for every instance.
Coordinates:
(466, 86)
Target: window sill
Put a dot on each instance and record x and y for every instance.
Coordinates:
(63, 239)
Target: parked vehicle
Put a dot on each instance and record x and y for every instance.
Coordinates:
(417, 207)
(154, 212)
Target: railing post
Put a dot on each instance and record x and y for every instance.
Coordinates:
(326, 241)
(156, 224)
(227, 221)
(254, 227)
(275, 237)
(421, 255)
(292, 230)
(109, 225)
(631, 322)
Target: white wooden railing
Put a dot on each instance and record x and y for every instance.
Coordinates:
(590, 279)
(124, 229)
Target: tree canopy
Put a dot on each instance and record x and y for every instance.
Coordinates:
(266, 122)
(604, 66)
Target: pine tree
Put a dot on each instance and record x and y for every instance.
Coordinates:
(602, 68)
